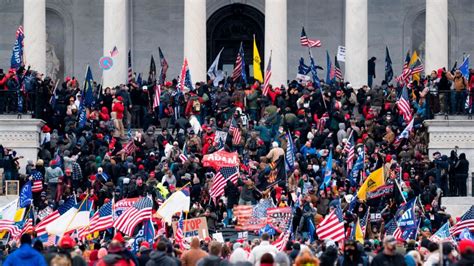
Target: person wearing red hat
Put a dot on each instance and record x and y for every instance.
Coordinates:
(67, 245)
(466, 248)
(118, 255)
(117, 115)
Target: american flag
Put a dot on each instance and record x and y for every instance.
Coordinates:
(392, 229)
(404, 135)
(114, 51)
(134, 215)
(41, 226)
(236, 134)
(364, 220)
(305, 41)
(467, 221)
(337, 69)
(102, 219)
(156, 98)
(37, 181)
(184, 155)
(268, 75)
(322, 122)
(406, 70)
(332, 227)
(129, 148)
(182, 76)
(220, 180)
(52, 240)
(239, 69)
(403, 104)
(417, 67)
(349, 150)
(179, 237)
(243, 213)
(280, 242)
(10, 226)
(164, 67)
(19, 31)
(442, 234)
(130, 70)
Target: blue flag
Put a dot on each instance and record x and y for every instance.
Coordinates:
(290, 157)
(82, 114)
(187, 81)
(328, 68)
(407, 221)
(358, 166)
(17, 50)
(139, 80)
(388, 66)
(242, 55)
(314, 72)
(89, 99)
(327, 172)
(302, 68)
(26, 195)
(464, 67)
(466, 234)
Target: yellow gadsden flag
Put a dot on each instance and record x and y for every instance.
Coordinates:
(359, 235)
(257, 71)
(414, 58)
(373, 181)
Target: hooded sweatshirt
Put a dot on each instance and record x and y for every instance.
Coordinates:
(160, 258)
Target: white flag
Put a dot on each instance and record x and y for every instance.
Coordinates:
(213, 72)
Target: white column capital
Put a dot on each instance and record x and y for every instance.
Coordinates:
(356, 43)
(436, 38)
(276, 40)
(195, 38)
(34, 24)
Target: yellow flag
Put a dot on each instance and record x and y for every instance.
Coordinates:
(3, 233)
(373, 181)
(359, 235)
(413, 59)
(19, 214)
(257, 71)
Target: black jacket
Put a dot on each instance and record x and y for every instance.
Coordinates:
(159, 258)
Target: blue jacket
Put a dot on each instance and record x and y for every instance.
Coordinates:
(25, 255)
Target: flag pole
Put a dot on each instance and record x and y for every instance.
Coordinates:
(74, 216)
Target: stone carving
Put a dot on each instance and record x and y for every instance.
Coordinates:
(52, 61)
(17, 136)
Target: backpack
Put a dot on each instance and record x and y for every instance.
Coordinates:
(196, 105)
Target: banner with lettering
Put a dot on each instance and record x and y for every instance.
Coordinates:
(17, 50)
(220, 159)
(196, 227)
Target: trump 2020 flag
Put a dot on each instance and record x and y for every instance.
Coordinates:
(26, 195)
(89, 99)
(407, 221)
(464, 67)
(17, 50)
(146, 234)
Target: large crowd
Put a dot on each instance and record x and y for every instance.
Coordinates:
(129, 146)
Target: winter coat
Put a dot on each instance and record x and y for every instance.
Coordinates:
(25, 255)
(158, 258)
(118, 108)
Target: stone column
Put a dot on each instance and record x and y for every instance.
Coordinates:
(436, 40)
(115, 34)
(34, 24)
(276, 40)
(356, 43)
(195, 38)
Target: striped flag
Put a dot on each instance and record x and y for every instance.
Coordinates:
(179, 237)
(156, 98)
(114, 51)
(184, 155)
(268, 75)
(11, 227)
(235, 130)
(239, 68)
(406, 70)
(130, 70)
(134, 215)
(280, 242)
(392, 229)
(41, 226)
(467, 221)
(305, 41)
(332, 227)
(443, 234)
(37, 181)
(164, 67)
(417, 67)
(220, 180)
(129, 148)
(243, 213)
(337, 70)
(182, 76)
(364, 221)
(349, 149)
(102, 219)
(403, 104)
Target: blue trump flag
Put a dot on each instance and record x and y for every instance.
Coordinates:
(464, 67)
(328, 68)
(290, 157)
(407, 221)
(327, 172)
(303, 68)
(89, 99)
(82, 114)
(17, 50)
(26, 195)
(146, 234)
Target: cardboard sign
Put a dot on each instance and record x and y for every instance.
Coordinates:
(193, 227)
(341, 53)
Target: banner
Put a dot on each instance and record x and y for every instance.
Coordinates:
(380, 192)
(220, 159)
(341, 53)
(122, 205)
(193, 227)
(17, 50)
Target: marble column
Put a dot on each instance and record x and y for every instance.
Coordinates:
(356, 43)
(195, 38)
(436, 39)
(276, 40)
(115, 34)
(34, 24)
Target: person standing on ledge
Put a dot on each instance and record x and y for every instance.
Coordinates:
(371, 72)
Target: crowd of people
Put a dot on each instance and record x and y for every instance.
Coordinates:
(128, 145)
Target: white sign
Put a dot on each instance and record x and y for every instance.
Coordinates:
(302, 79)
(218, 237)
(341, 53)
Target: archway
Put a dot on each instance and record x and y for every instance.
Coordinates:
(228, 27)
